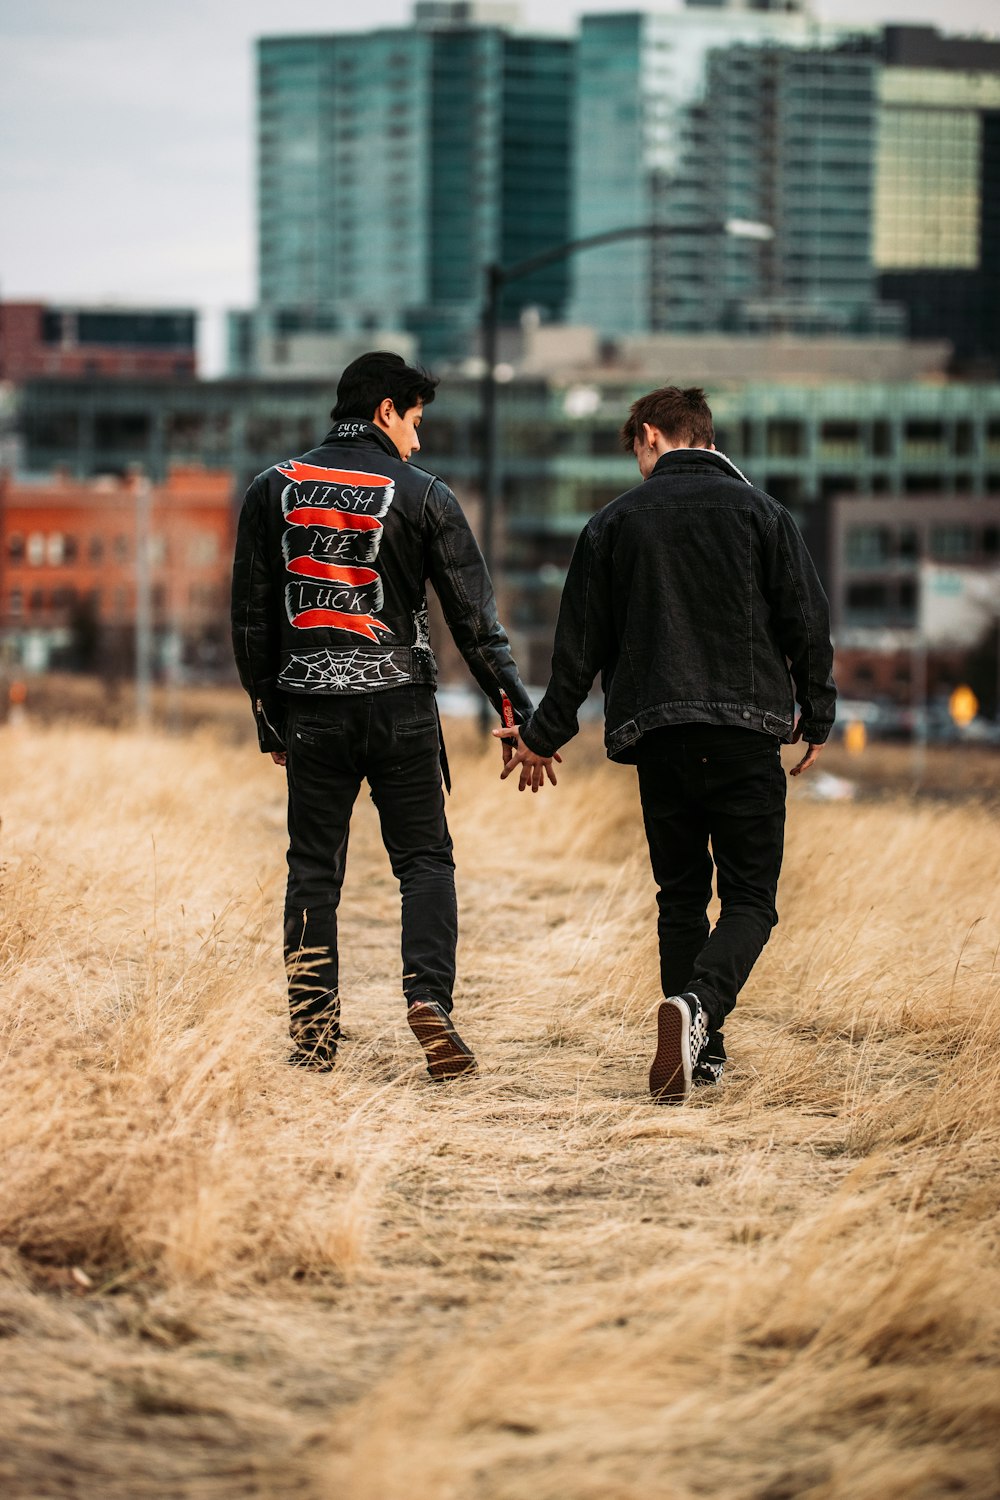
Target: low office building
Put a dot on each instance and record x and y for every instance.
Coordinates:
(39, 339)
(914, 591)
(805, 440)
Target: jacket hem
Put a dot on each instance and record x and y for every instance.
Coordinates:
(621, 740)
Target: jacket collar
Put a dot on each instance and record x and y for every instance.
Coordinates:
(711, 458)
(353, 430)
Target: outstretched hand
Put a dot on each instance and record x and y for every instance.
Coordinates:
(811, 756)
(516, 756)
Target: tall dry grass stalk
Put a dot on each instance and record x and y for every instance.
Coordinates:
(221, 1276)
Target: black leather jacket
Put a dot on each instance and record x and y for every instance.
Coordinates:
(695, 598)
(333, 553)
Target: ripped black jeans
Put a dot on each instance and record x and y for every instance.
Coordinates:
(702, 783)
(392, 740)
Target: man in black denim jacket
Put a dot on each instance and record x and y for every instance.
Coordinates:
(694, 597)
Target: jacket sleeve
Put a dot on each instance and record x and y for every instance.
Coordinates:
(583, 645)
(458, 573)
(255, 622)
(800, 614)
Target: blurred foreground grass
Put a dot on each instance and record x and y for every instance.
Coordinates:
(221, 1277)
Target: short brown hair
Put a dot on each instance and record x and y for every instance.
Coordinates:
(684, 417)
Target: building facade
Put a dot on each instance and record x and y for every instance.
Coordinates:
(37, 339)
(937, 199)
(808, 441)
(915, 592)
(70, 565)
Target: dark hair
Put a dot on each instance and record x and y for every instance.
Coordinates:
(684, 417)
(370, 378)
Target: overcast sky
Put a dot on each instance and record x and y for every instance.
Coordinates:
(126, 134)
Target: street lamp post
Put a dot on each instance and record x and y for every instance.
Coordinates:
(497, 277)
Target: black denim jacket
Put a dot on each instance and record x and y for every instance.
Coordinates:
(333, 554)
(695, 598)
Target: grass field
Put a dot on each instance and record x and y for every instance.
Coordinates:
(220, 1277)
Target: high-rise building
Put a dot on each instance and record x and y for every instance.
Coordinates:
(937, 188)
(784, 137)
(640, 76)
(393, 165)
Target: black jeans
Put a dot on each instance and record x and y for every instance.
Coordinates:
(334, 743)
(701, 782)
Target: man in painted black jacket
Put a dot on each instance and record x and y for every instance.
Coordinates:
(329, 616)
(694, 597)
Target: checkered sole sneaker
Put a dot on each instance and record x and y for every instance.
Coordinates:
(708, 1069)
(447, 1055)
(681, 1034)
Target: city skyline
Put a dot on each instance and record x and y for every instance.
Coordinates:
(110, 193)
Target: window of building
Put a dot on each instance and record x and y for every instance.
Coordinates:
(964, 438)
(881, 439)
(868, 546)
(991, 541)
(54, 549)
(36, 549)
(953, 542)
(95, 549)
(907, 612)
(71, 549)
(15, 547)
(203, 549)
(37, 601)
(15, 602)
(840, 439)
(908, 544)
(121, 549)
(869, 600)
(924, 438)
(785, 439)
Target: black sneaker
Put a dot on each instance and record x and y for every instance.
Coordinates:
(446, 1053)
(681, 1034)
(711, 1061)
(314, 1045)
(708, 1069)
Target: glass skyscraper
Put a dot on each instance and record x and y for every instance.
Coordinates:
(786, 137)
(394, 165)
(641, 75)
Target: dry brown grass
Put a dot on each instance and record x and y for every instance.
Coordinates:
(220, 1277)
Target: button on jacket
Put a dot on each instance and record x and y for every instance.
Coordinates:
(333, 553)
(695, 598)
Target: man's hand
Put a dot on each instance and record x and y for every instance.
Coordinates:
(809, 759)
(534, 768)
(279, 757)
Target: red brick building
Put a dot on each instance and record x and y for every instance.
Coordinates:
(37, 339)
(69, 564)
